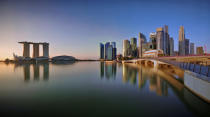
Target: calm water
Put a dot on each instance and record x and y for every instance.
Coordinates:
(95, 89)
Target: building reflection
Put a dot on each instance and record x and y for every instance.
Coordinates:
(102, 69)
(26, 70)
(146, 76)
(108, 70)
(129, 74)
(36, 71)
(46, 71)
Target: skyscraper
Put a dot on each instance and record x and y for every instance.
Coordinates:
(133, 47)
(181, 41)
(126, 48)
(166, 48)
(142, 40)
(114, 50)
(153, 40)
(160, 38)
(192, 48)
(187, 42)
(110, 52)
(199, 50)
(106, 49)
(171, 46)
(101, 51)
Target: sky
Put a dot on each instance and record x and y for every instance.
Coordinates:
(76, 27)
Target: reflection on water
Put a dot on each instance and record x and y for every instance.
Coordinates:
(160, 81)
(109, 69)
(36, 71)
(96, 89)
(156, 83)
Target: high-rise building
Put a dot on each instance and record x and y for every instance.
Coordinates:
(114, 51)
(133, 47)
(110, 52)
(187, 42)
(181, 41)
(142, 40)
(160, 38)
(153, 40)
(101, 51)
(199, 50)
(126, 48)
(106, 49)
(163, 39)
(166, 45)
(192, 48)
(171, 46)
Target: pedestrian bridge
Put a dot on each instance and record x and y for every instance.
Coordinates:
(148, 62)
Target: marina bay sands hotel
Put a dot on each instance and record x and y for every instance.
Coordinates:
(26, 49)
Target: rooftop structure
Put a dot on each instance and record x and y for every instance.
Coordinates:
(26, 49)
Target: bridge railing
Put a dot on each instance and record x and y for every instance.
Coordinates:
(197, 68)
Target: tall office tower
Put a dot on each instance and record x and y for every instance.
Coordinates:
(199, 50)
(192, 48)
(166, 48)
(153, 40)
(114, 51)
(187, 42)
(106, 49)
(181, 41)
(126, 48)
(101, 51)
(142, 40)
(109, 52)
(171, 46)
(133, 47)
(160, 38)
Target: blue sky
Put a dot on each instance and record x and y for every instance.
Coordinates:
(77, 27)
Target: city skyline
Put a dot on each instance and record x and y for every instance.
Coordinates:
(75, 28)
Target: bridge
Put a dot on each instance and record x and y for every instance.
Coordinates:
(184, 64)
(148, 62)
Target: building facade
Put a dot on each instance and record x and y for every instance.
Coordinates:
(101, 51)
(192, 48)
(187, 46)
(171, 46)
(181, 41)
(153, 40)
(134, 50)
(126, 48)
(199, 50)
(108, 51)
(142, 41)
(160, 38)
(114, 50)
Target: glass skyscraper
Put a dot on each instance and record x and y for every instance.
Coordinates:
(101, 51)
(108, 51)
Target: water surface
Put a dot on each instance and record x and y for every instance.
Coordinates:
(95, 89)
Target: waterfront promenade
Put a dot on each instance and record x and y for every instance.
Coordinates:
(196, 77)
